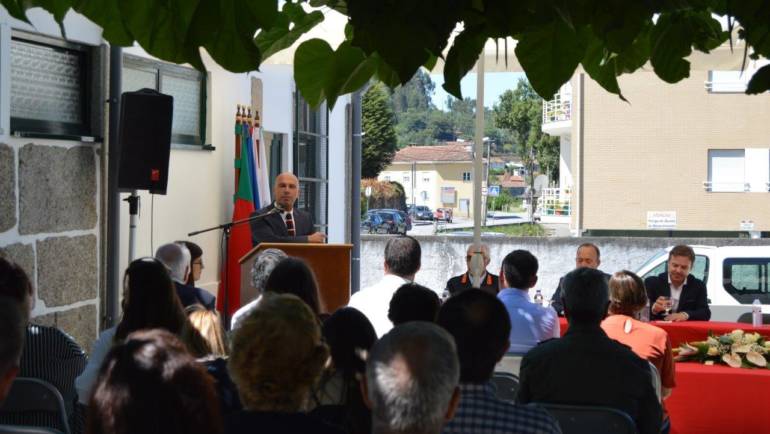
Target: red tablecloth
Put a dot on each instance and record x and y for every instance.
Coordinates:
(719, 400)
(689, 331)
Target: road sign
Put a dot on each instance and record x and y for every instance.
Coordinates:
(494, 191)
(368, 191)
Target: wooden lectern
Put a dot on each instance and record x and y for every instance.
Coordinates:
(329, 262)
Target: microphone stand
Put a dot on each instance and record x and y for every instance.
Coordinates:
(226, 231)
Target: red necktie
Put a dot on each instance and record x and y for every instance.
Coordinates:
(290, 225)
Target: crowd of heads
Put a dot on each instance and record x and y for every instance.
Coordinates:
(284, 352)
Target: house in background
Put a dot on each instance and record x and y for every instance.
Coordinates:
(438, 176)
(691, 158)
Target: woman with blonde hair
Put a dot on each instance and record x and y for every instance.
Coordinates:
(628, 298)
(277, 356)
(207, 336)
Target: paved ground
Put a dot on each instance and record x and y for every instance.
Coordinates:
(428, 227)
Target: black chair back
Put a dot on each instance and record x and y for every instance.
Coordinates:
(10, 429)
(34, 395)
(507, 386)
(584, 419)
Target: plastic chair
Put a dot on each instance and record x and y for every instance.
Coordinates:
(656, 382)
(585, 419)
(34, 395)
(507, 386)
(10, 429)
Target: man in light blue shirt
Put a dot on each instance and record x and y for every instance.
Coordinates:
(530, 323)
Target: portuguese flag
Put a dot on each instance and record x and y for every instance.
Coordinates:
(240, 238)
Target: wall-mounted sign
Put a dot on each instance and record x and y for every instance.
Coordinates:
(661, 219)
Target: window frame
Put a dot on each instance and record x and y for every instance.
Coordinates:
(165, 69)
(322, 135)
(741, 296)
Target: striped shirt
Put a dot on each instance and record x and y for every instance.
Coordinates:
(53, 356)
(481, 412)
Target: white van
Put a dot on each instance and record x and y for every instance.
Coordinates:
(734, 276)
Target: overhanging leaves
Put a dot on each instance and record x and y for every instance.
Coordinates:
(461, 58)
(550, 55)
(287, 27)
(760, 82)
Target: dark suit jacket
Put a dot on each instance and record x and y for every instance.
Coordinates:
(462, 282)
(693, 299)
(586, 367)
(190, 295)
(272, 229)
(556, 302)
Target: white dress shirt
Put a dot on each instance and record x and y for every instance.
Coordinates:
(530, 323)
(676, 294)
(374, 302)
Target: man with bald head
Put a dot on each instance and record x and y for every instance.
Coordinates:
(477, 276)
(284, 223)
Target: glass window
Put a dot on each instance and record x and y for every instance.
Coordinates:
(186, 85)
(311, 155)
(746, 279)
(52, 87)
(726, 171)
(467, 176)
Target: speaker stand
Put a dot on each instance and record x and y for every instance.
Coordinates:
(133, 212)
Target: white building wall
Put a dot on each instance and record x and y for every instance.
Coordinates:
(338, 205)
(565, 161)
(757, 169)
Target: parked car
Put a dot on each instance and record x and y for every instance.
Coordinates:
(421, 212)
(393, 222)
(404, 216)
(443, 214)
(734, 276)
(374, 224)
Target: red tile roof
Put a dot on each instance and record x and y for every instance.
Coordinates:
(510, 181)
(456, 151)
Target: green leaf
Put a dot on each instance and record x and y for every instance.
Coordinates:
(601, 67)
(550, 54)
(670, 42)
(232, 46)
(160, 27)
(461, 57)
(283, 34)
(386, 74)
(349, 70)
(106, 14)
(760, 82)
(312, 63)
(15, 9)
(58, 8)
(264, 12)
(635, 55)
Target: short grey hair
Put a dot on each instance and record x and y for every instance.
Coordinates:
(264, 265)
(13, 322)
(417, 398)
(176, 258)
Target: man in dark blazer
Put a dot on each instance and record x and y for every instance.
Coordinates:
(685, 292)
(176, 258)
(488, 281)
(284, 223)
(588, 256)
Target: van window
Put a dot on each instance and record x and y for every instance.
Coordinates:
(746, 279)
(700, 269)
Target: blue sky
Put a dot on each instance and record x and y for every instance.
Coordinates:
(495, 83)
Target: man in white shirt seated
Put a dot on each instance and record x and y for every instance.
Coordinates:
(402, 261)
(530, 323)
(263, 265)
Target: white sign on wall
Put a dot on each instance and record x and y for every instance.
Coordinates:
(661, 219)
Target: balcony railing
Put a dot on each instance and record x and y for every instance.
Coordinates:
(726, 187)
(558, 109)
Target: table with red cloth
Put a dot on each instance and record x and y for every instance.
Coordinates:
(714, 399)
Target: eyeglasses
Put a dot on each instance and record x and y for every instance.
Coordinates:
(200, 263)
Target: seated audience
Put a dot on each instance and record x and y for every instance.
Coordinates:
(585, 367)
(411, 380)
(413, 302)
(477, 276)
(480, 326)
(530, 323)
(684, 294)
(587, 255)
(208, 325)
(293, 276)
(628, 299)
(149, 301)
(350, 337)
(277, 356)
(402, 261)
(263, 265)
(176, 258)
(150, 384)
(196, 262)
(13, 321)
(49, 354)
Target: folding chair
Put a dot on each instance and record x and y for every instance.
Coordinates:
(33, 395)
(585, 419)
(507, 385)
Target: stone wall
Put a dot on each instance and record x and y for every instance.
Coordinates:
(444, 256)
(49, 224)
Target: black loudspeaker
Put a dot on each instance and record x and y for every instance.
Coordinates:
(145, 140)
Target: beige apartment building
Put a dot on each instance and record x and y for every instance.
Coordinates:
(692, 156)
(438, 176)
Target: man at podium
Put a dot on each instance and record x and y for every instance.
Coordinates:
(282, 222)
